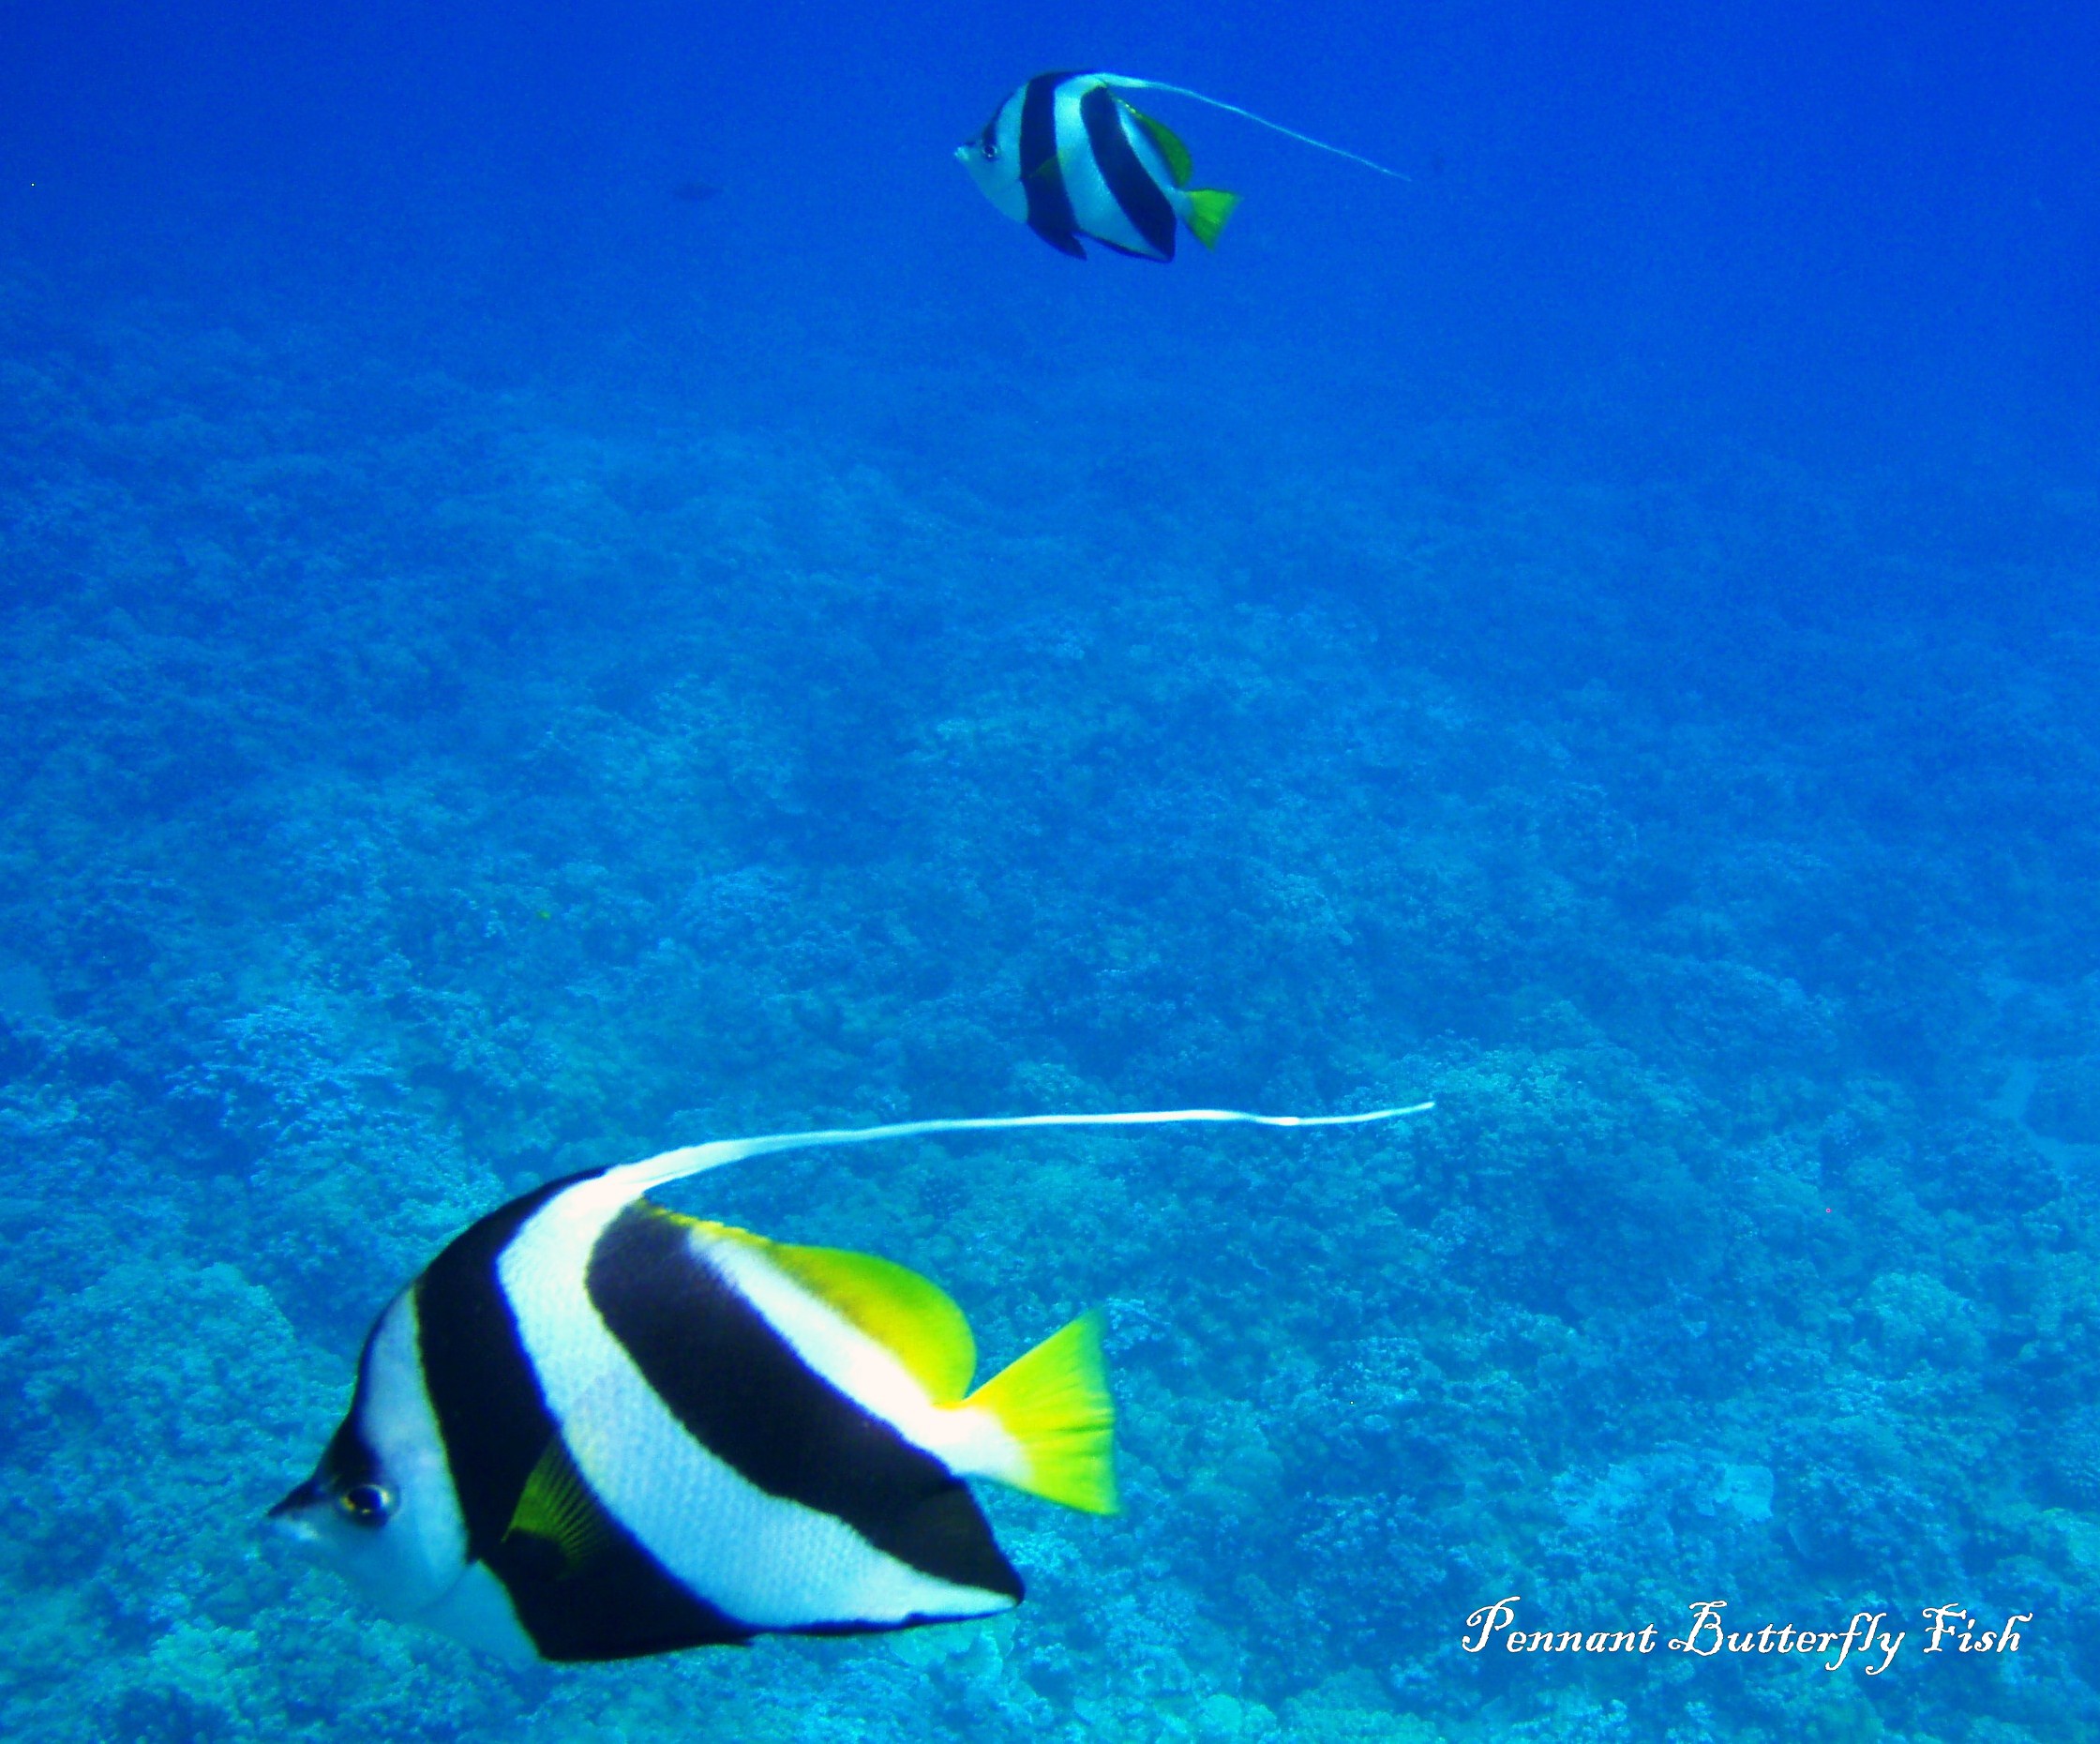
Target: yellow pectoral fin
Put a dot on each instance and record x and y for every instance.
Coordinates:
(1054, 1402)
(558, 1506)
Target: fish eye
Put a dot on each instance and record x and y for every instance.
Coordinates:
(365, 1504)
(990, 148)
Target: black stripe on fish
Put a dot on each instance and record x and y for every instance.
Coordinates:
(1042, 177)
(350, 1457)
(496, 1426)
(741, 1391)
(1125, 173)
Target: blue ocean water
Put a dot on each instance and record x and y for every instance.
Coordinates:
(570, 587)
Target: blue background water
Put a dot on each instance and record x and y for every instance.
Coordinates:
(506, 669)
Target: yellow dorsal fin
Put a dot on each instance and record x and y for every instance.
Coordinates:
(557, 1505)
(909, 1317)
(1178, 163)
(1054, 1402)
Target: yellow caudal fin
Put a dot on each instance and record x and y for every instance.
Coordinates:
(1209, 209)
(1054, 1402)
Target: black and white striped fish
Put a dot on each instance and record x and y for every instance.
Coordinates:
(1069, 157)
(594, 1429)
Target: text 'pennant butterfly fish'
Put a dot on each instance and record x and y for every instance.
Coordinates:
(594, 1429)
(1069, 157)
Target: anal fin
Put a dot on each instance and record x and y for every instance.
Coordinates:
(1064, 241)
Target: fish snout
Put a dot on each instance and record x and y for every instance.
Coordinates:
(294, 1518)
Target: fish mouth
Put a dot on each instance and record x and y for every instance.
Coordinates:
(300, 1533)
(293, 1518)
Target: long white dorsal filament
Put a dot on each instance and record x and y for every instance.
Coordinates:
(1247, 114)
(698, 1159)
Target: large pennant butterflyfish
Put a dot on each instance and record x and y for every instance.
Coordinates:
(594, 1429)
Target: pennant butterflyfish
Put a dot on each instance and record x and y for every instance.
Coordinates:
(1069, 157)
(595, 1428)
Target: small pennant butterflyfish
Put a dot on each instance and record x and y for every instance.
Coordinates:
(595, 1429)
(1069, 157)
